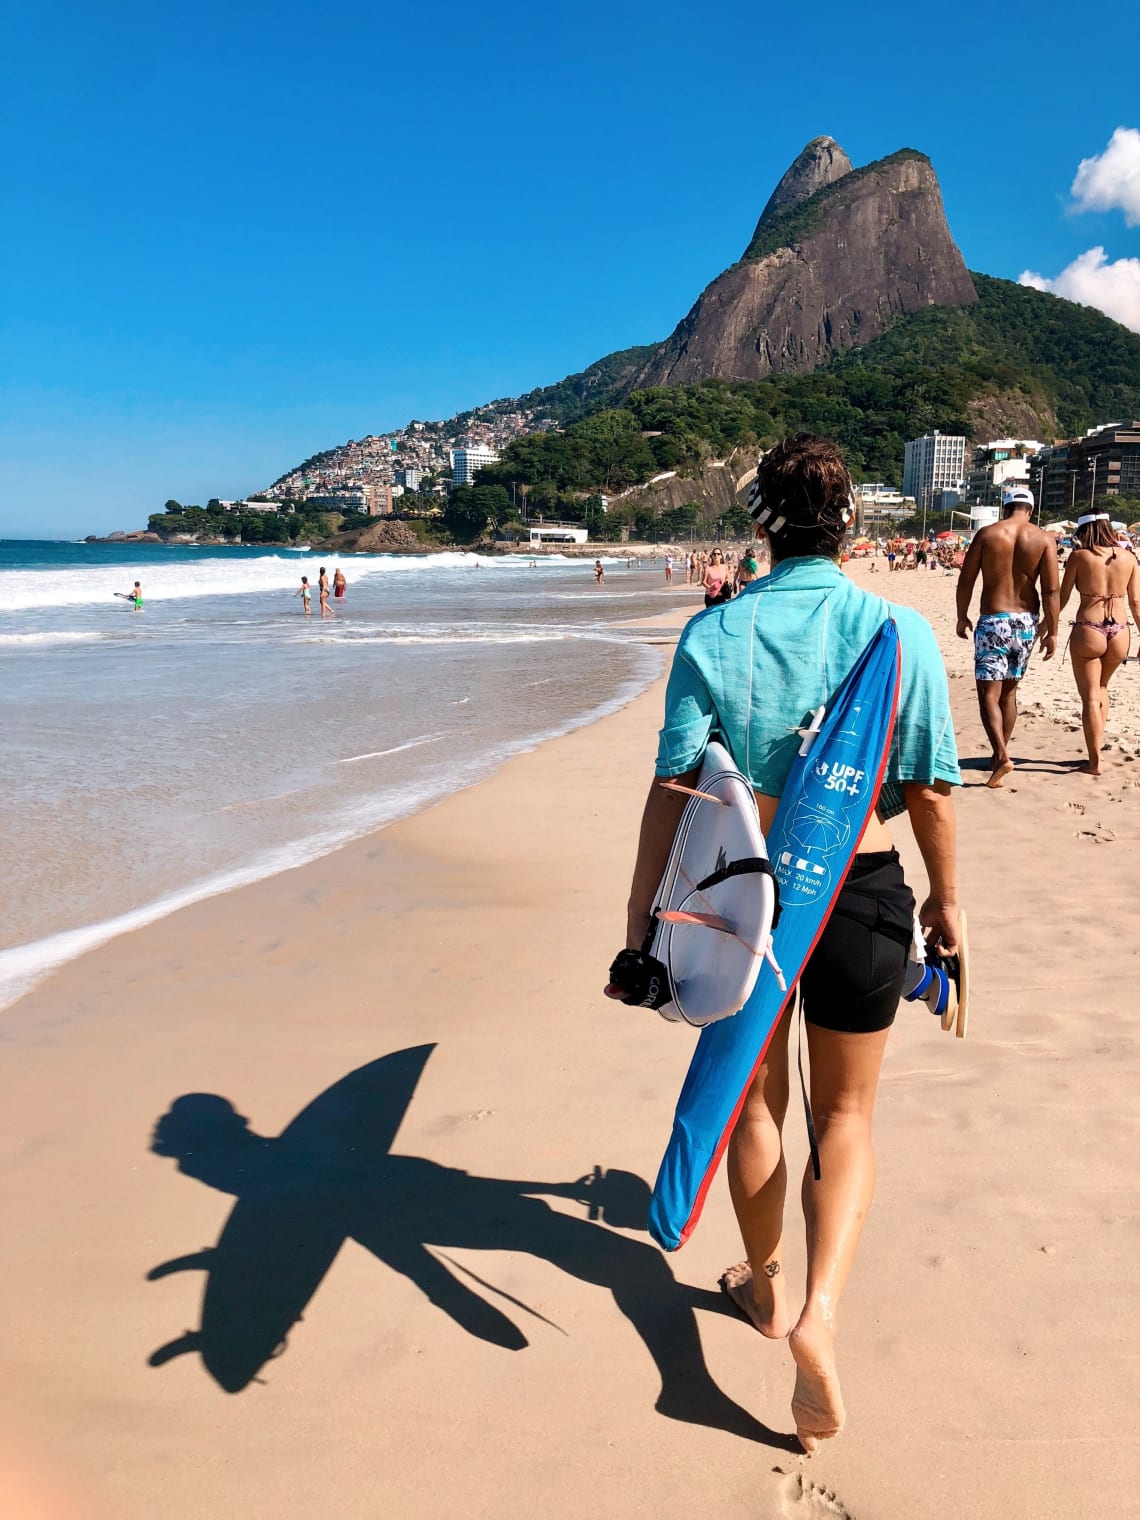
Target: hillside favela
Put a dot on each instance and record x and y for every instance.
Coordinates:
(578, 958)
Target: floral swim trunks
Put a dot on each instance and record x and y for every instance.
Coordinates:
(1002, 645)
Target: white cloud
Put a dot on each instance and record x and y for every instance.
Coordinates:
(1090, 279)
(1111, 180)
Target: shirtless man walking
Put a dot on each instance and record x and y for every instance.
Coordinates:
(1020, 598)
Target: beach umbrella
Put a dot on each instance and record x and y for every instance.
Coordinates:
(946, 533)
(1059, 527)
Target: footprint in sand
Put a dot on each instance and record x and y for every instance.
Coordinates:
(1096, 836)
(801, 1499)
(1075, 807)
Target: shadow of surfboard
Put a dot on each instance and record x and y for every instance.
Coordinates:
(331, 1175)
(296, 1198)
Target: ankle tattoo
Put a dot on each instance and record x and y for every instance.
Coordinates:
(772, 1269)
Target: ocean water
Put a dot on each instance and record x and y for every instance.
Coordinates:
(153, 758)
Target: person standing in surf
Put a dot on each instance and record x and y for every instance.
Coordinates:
(1020, 598)
(754, 670)
(306, 595)
(1105, 576)
(340, 585)
(323, 585)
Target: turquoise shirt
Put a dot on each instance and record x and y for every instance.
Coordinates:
(755, 668)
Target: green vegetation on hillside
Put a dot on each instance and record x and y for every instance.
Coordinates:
(924, 373)
(805, 217)
(602, 384)
(299, 525)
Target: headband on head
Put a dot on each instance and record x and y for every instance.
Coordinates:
(1092, 517)
(766, 517)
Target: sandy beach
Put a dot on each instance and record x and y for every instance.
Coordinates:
(486, 1330)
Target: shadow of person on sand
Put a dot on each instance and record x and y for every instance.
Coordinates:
(331, 1176)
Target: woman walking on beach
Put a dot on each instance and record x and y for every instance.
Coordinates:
(323, 583)
(752, 670)
(1104, 577)
(714, 577)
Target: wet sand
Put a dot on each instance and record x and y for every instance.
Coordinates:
(489, 1334)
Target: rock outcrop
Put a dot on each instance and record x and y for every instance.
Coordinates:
(827, 267)
(821, 163)
(999, 413)
(385, 535)
(714, 487)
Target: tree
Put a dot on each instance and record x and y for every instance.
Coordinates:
(594, 515)
(737, 521)
(680, 521)
(471, 510)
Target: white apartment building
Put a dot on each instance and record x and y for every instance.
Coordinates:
(997, 465)
(936, 462)
(876, 496)
(466, 461)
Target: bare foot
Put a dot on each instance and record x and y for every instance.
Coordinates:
(817, 1404)
(760, 1301)
(1089, 768)
(998, 775)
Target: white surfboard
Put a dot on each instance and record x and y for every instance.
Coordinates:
(716, 905)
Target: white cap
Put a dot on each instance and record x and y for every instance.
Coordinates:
(1018, 495)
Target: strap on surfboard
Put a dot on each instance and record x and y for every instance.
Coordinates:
(748, 865)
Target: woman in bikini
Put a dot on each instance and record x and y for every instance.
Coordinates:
(323, 585)
(1104, 577)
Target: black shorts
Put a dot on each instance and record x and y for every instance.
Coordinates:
(854, 979)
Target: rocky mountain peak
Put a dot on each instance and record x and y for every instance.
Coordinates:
(821, 163)
(826, 269)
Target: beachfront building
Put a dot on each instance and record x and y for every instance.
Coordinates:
(934, 463)
(998, 466)
(470, 458)
(1075, 473)
(373, 499)
(878, 506)
(378, 500)
(557, 533)
(878, 497)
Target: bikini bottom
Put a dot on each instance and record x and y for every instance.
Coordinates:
(1109, 628)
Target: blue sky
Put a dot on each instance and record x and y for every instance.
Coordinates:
(240, 233)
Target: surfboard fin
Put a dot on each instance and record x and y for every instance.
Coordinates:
(691, 791)
(810, 731)
(769, 956)
(709, 920)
